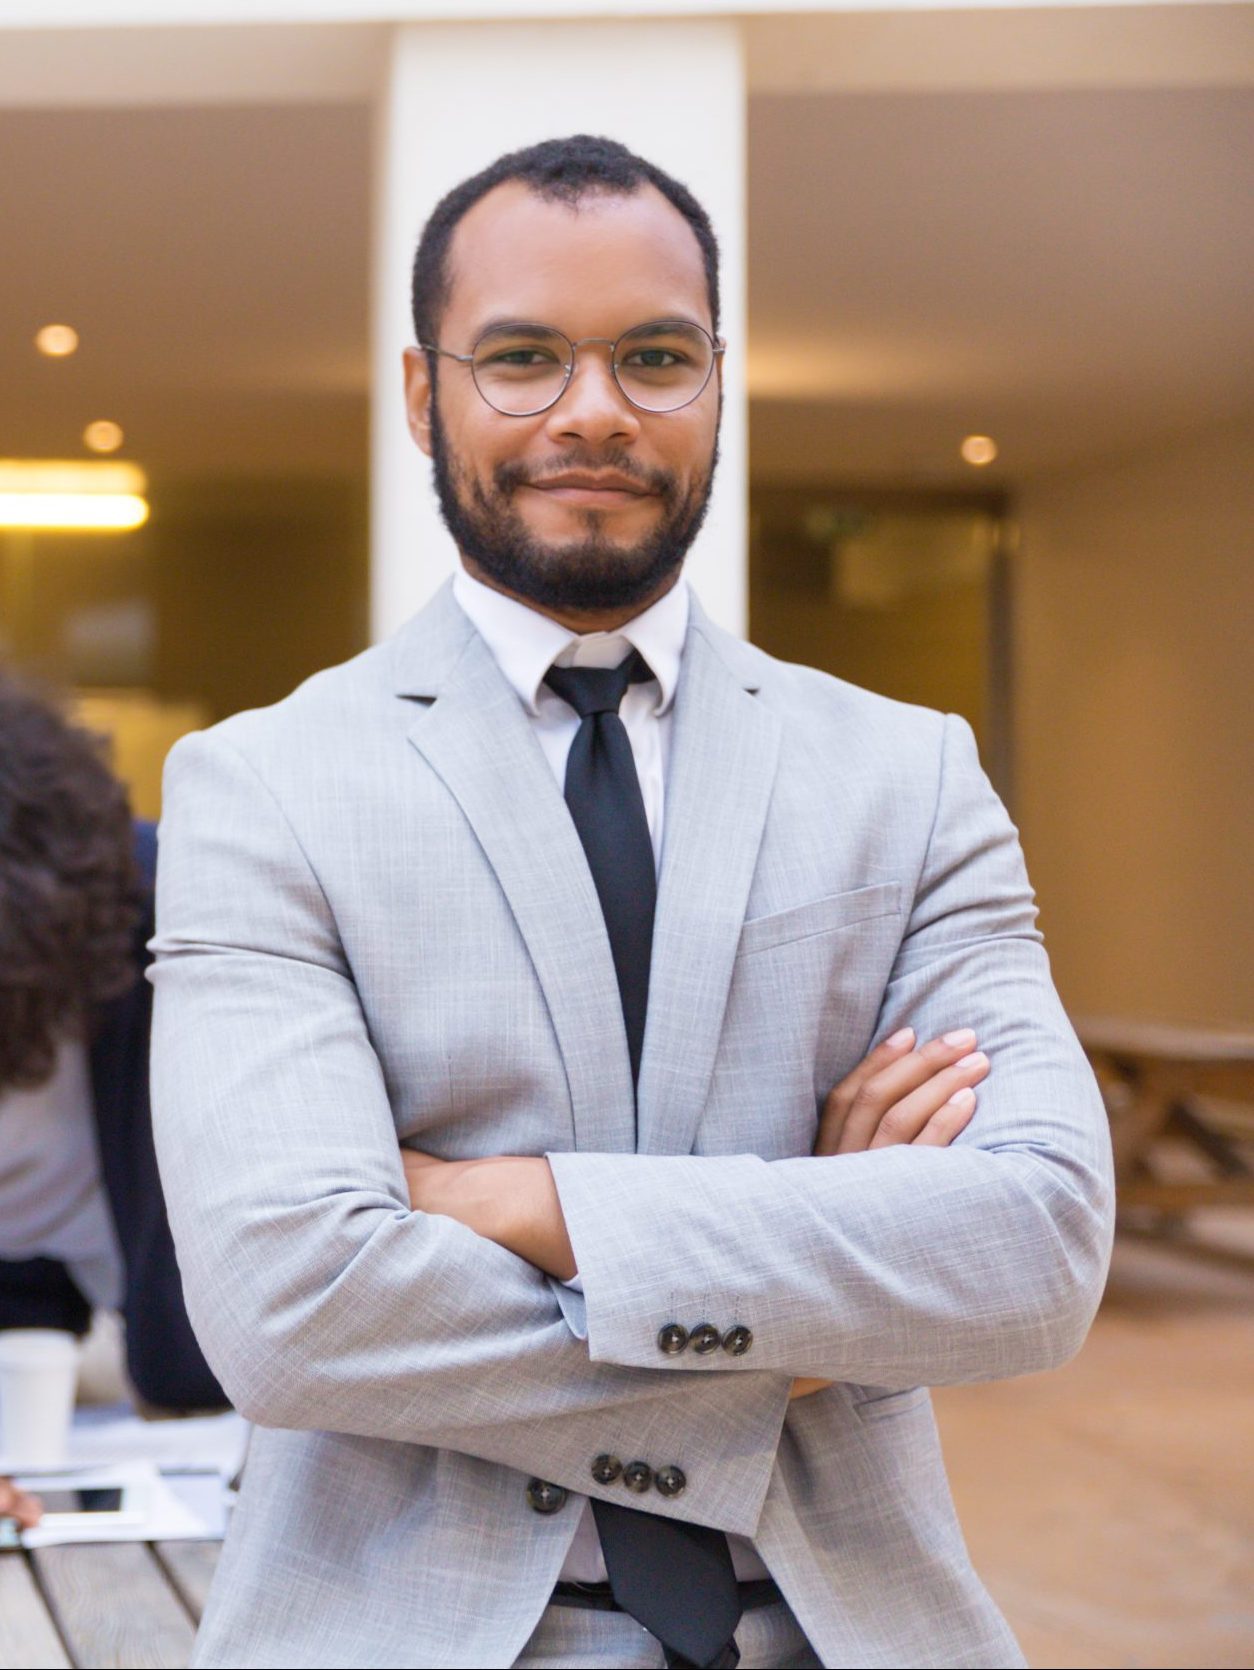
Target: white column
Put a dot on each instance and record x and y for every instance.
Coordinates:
(457, 96)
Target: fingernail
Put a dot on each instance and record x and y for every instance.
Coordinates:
(976, 1059)
(962, 1098)
(899, 1040)
(960, 1040)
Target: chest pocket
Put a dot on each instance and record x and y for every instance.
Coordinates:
(820, 916)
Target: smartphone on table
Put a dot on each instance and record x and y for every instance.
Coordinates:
(74, 1507)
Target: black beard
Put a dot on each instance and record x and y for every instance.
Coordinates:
(589, 574)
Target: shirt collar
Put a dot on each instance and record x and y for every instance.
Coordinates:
(525, 643)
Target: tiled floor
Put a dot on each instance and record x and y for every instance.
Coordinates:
(1110, 1506)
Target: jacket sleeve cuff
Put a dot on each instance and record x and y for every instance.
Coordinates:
(645, 1243)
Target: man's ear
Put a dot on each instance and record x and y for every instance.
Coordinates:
(418, 397)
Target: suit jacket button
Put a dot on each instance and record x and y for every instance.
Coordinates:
(671, 1481)
(606, 1468)
(638, 1476)
(672, 1339)
(704, 1338)
(544, 1497)
(737, 1340)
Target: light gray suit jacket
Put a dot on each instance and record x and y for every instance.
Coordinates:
(375, 921)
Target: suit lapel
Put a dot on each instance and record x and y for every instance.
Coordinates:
(475, 736)
(724, 752)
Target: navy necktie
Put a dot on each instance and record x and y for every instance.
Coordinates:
(603, 794)
(675, 1579)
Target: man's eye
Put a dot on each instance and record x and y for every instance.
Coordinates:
(522, 358)
(654, 359)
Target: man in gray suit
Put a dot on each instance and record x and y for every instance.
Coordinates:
(620, 1356)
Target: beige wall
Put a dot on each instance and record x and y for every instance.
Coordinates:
(1135, 602)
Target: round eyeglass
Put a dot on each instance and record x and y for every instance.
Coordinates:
(522, 369)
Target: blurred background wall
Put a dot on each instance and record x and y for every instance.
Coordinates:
(1136, 775)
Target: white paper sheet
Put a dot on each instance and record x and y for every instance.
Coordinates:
(114, 1432)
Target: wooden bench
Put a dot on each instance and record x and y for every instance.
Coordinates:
(1159, 1082)
(123, 1605)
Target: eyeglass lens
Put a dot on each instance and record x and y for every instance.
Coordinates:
(522, 369)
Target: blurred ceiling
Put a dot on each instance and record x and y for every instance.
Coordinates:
(215, 262)
(1064, 270)
(1067, 271)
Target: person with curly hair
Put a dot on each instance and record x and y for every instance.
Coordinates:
(82, 1217)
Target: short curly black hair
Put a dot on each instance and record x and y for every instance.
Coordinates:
(564, 170)
(70, 894)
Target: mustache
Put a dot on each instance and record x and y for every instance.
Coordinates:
(512, 474)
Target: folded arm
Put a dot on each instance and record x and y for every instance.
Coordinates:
(895, 1095)
(903, 1265)
(321, 1301)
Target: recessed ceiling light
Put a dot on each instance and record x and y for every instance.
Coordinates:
(103, 436)
(979, 449)
(56, 341)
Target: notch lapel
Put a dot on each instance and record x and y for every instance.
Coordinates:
(475, 736)
(724, 753)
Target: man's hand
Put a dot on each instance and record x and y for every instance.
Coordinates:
(901, 1095)
(511, 1200)
(20, 1505)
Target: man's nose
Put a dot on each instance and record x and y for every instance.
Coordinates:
(593, 408)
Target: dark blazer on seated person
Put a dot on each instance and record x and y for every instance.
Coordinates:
(165, 1364)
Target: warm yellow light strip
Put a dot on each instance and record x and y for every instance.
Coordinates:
(70, 475)
(78, 512)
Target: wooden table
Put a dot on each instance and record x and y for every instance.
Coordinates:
(1158, 1082)
(123, 1604)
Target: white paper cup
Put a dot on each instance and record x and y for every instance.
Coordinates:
(38, 1379)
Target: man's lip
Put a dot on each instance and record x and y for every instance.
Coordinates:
(591, 484)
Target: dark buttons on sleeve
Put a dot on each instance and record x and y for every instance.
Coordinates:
(704, 1338)
(606, 1468)
(544, 1497)
(737, 1340)
(671, 1481)
(672, 1339)
(638, 1476)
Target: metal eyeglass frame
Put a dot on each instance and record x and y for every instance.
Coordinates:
(716, 348)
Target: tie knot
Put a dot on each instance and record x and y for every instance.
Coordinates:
(597, 689)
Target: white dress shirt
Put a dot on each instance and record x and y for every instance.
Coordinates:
(525, 644)
(52, 1198)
